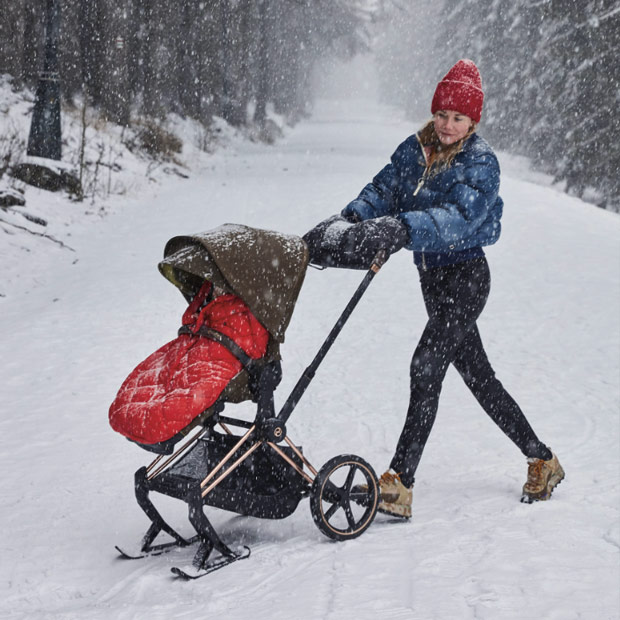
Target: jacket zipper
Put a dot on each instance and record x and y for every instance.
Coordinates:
(419, 187)
(423, 177)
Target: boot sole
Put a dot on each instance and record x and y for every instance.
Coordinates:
(395, 510)
(544, 495)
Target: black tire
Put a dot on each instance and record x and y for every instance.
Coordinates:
(344, 497)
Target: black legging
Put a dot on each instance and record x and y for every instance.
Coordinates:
(454, 296)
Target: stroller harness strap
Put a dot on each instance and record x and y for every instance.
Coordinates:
(225, 341)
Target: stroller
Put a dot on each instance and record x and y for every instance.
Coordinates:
(257, 471)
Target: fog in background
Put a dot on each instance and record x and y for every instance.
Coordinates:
(550, 68)
(347, 80)
(550, 72)
(400, 66)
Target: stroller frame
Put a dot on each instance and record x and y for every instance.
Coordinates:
(300, 477)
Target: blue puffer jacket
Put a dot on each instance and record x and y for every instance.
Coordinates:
(451, 213)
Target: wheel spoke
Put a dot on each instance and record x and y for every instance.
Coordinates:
(361, 498)
(350, 518)
(332, 511)
(346, 487)
(331, 492)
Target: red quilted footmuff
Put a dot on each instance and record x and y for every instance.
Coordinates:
(180, 380)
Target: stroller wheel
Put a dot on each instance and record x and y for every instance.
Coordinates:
(344, 497)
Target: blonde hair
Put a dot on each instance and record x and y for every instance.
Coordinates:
(441, 156)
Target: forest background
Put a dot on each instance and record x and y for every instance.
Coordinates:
(550, 67)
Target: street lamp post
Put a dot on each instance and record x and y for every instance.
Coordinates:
(45, 136)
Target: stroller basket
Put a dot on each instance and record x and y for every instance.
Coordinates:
(263, 485)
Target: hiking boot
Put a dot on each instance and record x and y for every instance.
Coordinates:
(396, 498)
(542, 478)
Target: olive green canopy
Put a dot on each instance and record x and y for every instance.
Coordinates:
(265, 268)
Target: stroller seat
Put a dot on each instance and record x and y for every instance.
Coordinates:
(223, 352)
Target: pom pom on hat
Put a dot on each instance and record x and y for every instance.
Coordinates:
(460, 90)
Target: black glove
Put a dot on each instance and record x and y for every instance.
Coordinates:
(335, 242)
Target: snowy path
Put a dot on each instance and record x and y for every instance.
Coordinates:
(471, 551)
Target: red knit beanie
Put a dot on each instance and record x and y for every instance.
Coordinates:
(460, 90)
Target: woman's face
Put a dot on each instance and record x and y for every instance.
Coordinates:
(451, 126)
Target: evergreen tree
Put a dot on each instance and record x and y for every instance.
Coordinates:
(551, 79)
(196, 57)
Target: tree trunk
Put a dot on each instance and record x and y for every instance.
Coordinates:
(115, 93)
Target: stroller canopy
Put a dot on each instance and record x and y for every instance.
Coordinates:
(264, 268)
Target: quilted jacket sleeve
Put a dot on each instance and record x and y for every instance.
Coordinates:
(383, 195)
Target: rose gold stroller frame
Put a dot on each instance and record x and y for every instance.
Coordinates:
(266, 430)
(152, 472)
(147, 480)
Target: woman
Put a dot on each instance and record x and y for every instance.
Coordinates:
(443, 183)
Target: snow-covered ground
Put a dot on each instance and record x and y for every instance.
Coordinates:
(74, 323)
